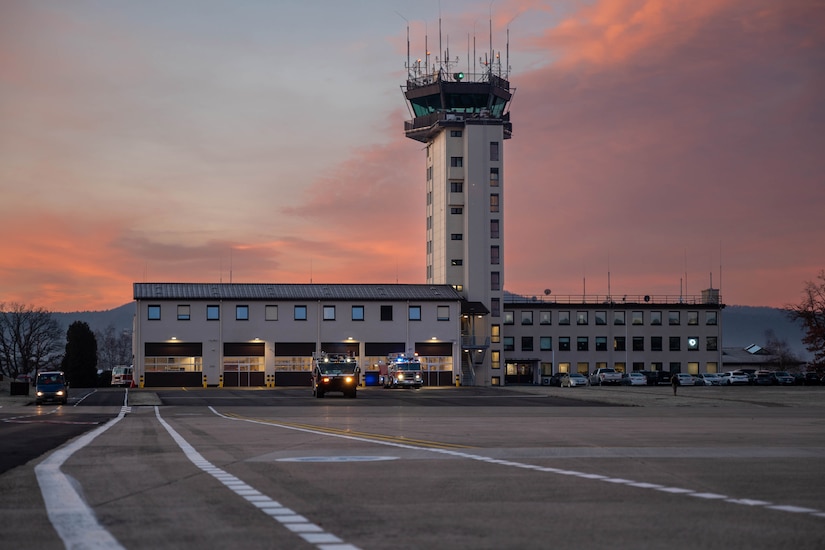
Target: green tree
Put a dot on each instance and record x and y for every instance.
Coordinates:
(80, 360)
(29, 339)
(811, 311)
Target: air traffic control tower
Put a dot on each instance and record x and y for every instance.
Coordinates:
(463, 119)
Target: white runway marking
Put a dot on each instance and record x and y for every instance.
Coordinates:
(74, 521)
(631, 483)
(296, 523)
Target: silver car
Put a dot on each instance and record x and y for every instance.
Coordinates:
(734, 379)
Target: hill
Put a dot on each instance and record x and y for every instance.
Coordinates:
(741, 325)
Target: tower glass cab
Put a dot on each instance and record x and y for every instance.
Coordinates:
(463, 119)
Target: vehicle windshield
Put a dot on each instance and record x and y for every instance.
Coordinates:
(337, 368)
(409, 366)
(576, 375)
(782, 373)
(49, 379)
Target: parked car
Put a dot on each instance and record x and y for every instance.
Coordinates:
(634, 379)
(734, 379)
(605, 376)
(685, 379)
(783, 378)
(577, 379)
(750, 373)
(764, 378)
(811, 379)
(709, 378)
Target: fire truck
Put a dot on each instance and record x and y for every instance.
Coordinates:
(403, 371)
(335, 372)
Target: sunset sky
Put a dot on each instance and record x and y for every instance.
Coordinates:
(664, 142)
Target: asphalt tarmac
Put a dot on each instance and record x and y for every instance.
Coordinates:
(524, 467)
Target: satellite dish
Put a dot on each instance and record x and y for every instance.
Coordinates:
(547, 292)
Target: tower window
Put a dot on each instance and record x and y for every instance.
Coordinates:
(494, 229)
(456, 261)
(494, 202)
(456, 187)
(495, 255)
(494, 151)
(455, 133)
(495, 280)
(493, 177)
(456, 210)
(456, 162)
(456, 237)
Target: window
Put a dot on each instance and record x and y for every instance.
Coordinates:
(495, 307)
(357, 313)
(456, 236)
(495, 280)
(526, 343)
(582, 343)
(693, 317)
(581, 318)
(271, 313)
(329, 313)
(456, 187)
(673, 318)
(693, 343)
(495, 334)
(711, 343)
(494, 230)
(545, 318)
(601, 317)
(495, 359)
(564, 317)
(443, 313)
(153, 313)
(386, 313)
(415, 313)
(213, 313)
(710, 317)
(526, 317)
(183, 313)
(493, 202)
(456, 162)
(455, 133)
(675, 344)
(655, 317)
(564, 343)
(456, 210)
(546, 343)
(655, 343)
(508, 318)
(601, 343)
(637, 318)
(456, 262)
(242, 313)
(638, 343)
(619, 343)
(300, 313)
(495, 255)
(618, 317)
(493, 177)
(509, 343)
(494, 151)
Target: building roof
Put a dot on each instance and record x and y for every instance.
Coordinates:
(254, 291)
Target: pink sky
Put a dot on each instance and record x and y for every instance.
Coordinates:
(656, 140)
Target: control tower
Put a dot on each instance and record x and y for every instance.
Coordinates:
(463, 119)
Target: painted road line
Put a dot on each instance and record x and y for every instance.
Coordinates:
(585, 475)
(74, 521)
(298, 524)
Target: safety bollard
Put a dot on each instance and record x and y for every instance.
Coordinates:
(457, 381)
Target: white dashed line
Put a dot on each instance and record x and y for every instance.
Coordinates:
(296, 523)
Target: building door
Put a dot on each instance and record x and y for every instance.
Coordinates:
(519, 373)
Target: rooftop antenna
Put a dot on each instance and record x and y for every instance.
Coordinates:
(230, 266)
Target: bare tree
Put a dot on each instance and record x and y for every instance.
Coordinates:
(30, 339)
(781, 349)
(811, 311)
(113, 348)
